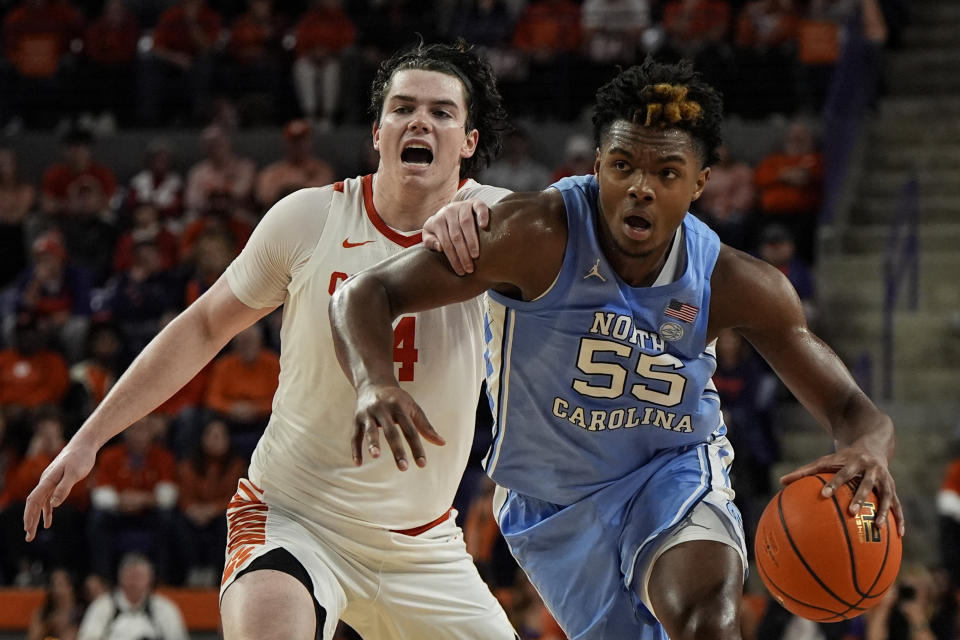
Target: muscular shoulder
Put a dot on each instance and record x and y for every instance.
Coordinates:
(750, 293)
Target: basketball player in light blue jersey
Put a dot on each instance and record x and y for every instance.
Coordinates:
(605, 300)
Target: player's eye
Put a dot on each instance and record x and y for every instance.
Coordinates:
(669, 173)
(442, 114)
(620, 165)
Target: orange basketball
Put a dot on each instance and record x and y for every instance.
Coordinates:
(819, 561)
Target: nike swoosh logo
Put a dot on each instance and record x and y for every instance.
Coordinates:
(350, 245)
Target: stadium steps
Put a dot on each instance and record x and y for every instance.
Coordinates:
(914, 131)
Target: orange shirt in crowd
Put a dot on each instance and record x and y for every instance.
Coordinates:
(114, 469)
(326, 30)
(34, 380)
(172, 32)
(111, 43)
(781, 198)
(233, 380)
(35, 37)
(59, 180)
(548, 26)
(216, 484)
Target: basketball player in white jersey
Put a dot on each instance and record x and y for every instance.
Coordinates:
(313, 538)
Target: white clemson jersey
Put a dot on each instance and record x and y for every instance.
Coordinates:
(304, 247)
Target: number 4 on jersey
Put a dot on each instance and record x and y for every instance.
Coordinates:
(404, 347)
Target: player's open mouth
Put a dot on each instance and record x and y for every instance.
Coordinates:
(416, 154)
(636, 222)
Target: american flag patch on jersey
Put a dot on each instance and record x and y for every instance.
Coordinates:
(681, 311)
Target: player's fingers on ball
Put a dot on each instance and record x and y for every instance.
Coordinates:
(800, 472)
(867, 484)
(840, 478)
(409, 430)
(897, 508)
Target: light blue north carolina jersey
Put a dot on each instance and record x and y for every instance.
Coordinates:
(596, 378)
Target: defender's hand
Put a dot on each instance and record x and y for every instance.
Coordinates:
(72, 464)
(857, 462)
(453, 230)
(393, 410)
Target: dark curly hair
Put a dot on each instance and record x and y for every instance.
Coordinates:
(485, 113)
(665, 96)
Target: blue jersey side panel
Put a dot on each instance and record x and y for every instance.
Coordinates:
(596, 378)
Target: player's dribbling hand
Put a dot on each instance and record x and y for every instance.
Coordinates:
(392, 410)
(71, 465)
(873, 473)
(453, 230)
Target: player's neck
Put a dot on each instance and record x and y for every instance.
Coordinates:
(406, 205)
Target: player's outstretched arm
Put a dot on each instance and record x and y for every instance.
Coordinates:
(521, 255)
(171, 360)
(756, 299)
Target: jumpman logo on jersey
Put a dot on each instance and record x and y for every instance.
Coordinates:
(595, 272)
(350, 245)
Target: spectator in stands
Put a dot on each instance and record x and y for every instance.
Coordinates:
(88, 231)
(55, 293)
(133, 500)
(146, 226)
(728, 206)
(37, 44)
(17, 198)
(31, 375)
(699, 30)
(158, 183)
(323, 32)
(208, 479)
(515, 169)
(766, 38)
(110, 47)
(747, 392)
(612, 33)
(141, 296)
(61, 611)
(778, 247)
(220, 171)
(254, 70)
(101, 366)
(133, 611)
(221, 223)
(907, 609)
(62, 545)
(948, 514)
(578, 157)
(241, 387)
(790, 185)
(62, 179)
(548, 36)
(484, 23)
(299, 168)
(176, 78)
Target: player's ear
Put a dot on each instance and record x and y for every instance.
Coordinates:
(596, 162)
(470, 144)
(375, 134)
(702, 179)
